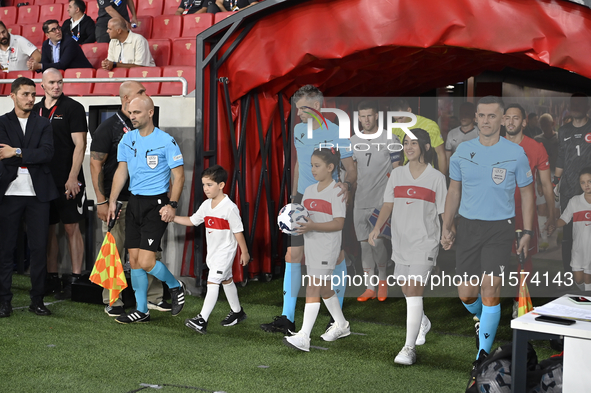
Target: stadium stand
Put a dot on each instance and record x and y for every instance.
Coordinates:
(150, 8)
(175, 89)
(8, 15)
(160, 50)
(144, 26)
(65, 16)
(138, 73)
(183, 52)
(34, 33)
(14, 75)
(28, 15)
(95, 53)
(167, 26)
(170, 6)
(195, 24)
(78, 89)
(92, 9)
(51, 11)
(108, 89)
(43, 2)
(15, 29)
(221, 16)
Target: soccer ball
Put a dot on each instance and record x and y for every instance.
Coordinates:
(551, 381)
(495, 378)
(291, 214)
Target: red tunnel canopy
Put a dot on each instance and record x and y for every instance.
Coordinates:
(405, 47)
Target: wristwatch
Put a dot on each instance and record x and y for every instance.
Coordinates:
(19, 152)
(528, 232)
(173, 204)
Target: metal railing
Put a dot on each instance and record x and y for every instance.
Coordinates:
(183, 81)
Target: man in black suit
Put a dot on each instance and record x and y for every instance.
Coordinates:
(58, 53)
(26, 187)
(80, 26)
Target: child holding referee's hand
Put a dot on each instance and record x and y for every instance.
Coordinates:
(223, 233)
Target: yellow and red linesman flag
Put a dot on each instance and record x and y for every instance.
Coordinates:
(108, 270)
(524, 305)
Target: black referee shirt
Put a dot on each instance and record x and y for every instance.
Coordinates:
(105, 140)
(66, 116)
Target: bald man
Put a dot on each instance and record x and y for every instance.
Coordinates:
(148, 156)
(103, 164)
(126, 49)
(68, 120)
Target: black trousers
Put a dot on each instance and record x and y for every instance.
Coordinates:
(12, 209)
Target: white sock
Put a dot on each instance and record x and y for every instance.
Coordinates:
(211, 298)
(587, 287)
(334, 308)
(381, 258)
(310, 315)
(232, 296)
(414, 316)
(581, 286)
(368, 263)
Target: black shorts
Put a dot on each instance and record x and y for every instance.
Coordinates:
(68, 211)
(296, 241)
(143, 226)
(484, 247)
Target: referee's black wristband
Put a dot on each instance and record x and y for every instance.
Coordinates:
(528, 232)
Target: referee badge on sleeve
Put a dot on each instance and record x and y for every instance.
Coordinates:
(498, 175)
(152, 161)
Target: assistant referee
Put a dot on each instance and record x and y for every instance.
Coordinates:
(148, 156)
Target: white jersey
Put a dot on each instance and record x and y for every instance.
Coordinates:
(415, 221)
(16, 56)
(221, 223)
(322, 248)
(457, 136)
(579, 211)
(374, 163)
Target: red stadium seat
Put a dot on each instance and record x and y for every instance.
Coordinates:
(8, 15)
(195, 24)
(108, 89)
(9, 3)
(167, 26)
(149, 8)
(144, 26)
(96, 53)
(175, 88)
(152, 88)
(34, 33)
(92, 9)
(28, 15)
(183, 52)
(14, 75)
(160, 50)
(43, 2)
(170, 6)
(65, 16)
(78, 89)
(16, 29)
(51, 11)
(221, 16)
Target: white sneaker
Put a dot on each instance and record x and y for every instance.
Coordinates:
(406, 356)
(298, 341)
(334, 332)
(425, 327)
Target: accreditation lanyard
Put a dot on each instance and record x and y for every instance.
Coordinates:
(126, 129)
(8, 52)
(51, 113)
(234, 5)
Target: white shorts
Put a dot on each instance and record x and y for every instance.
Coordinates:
(220, 272)
(361, 222)
(418, 273)
(577, 267)
(319, 273)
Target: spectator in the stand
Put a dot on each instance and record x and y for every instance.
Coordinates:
(80, 26)
(15, 51)
(126, 49)
(229, 5)
(57, 52)
(113, 9)
(533, 127)
(194, 7)
(549, 138)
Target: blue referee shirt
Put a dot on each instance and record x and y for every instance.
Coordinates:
(149, 161)
(488, 175)
(305, 147)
